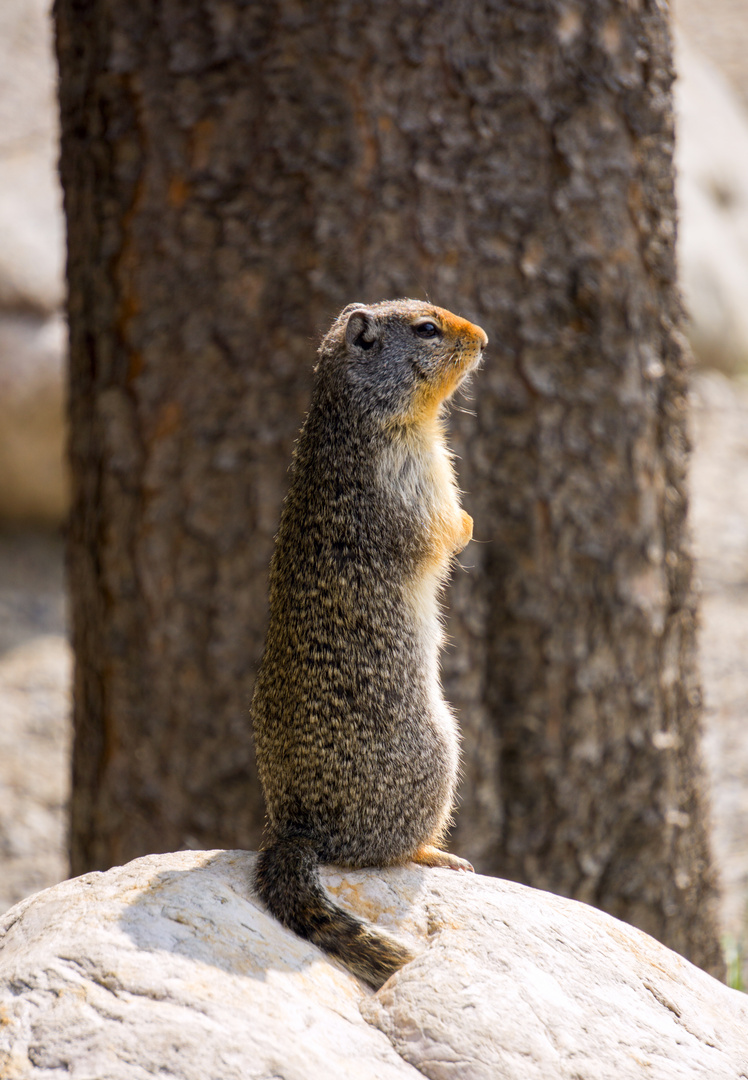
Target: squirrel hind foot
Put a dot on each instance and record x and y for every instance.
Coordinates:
(286, 878)
(428, 855)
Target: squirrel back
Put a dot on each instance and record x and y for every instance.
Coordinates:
(357, 750)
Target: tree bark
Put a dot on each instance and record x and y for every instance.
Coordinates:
(235, 174)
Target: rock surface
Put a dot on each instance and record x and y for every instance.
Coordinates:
(712, 179)
(32, 231)
(719, 517)
(720, 30)
(34, 766)
(33, 482)
(167, 966)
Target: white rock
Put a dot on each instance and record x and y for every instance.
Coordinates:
(721, 30)
(32, 234)
(719, 520)
(712, 185)
(35, 741)
(33, 485)
(168, 967)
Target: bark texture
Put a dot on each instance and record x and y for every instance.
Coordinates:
(234, 175)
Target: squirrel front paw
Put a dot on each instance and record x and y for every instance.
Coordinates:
(465, 534)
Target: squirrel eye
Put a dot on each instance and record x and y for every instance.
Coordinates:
(427, 330)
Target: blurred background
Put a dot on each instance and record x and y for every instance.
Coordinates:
(35, 661)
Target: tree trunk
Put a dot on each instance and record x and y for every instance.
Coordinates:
(234, 174)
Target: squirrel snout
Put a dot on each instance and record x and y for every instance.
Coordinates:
(481, 335)
(474, 334)
(464, 333)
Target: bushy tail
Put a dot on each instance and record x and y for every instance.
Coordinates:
(287, 879)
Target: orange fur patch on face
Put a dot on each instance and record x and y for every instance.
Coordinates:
(459, 352)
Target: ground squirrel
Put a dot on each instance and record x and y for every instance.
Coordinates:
(357, 750)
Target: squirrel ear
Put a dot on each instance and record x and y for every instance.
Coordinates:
(361, 328)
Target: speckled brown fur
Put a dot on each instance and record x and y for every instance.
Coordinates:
(357, 749)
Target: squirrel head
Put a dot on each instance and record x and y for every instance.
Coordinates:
(399, 360)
